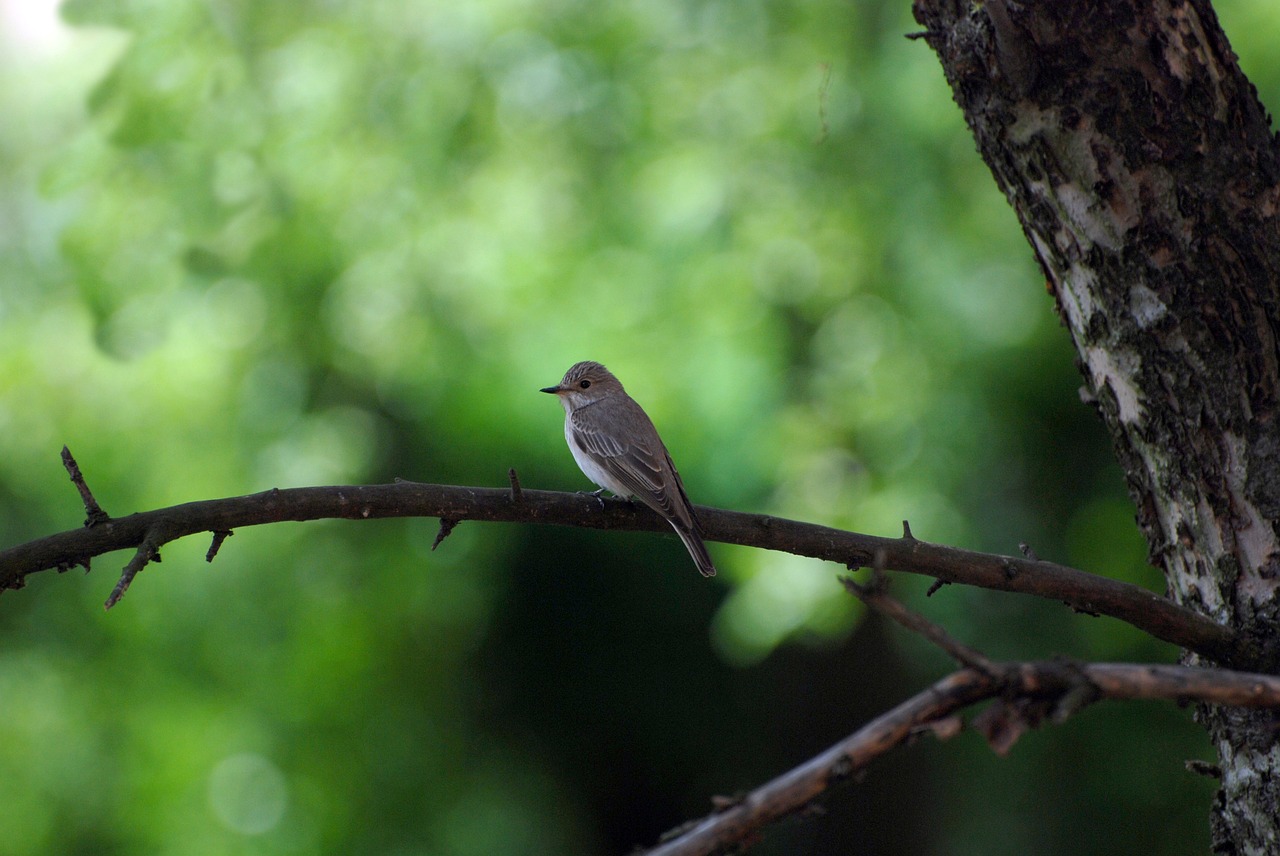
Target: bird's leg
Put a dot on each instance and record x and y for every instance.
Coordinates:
(596, 494)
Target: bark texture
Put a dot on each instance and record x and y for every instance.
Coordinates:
(1144, 172)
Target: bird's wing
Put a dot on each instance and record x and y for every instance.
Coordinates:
(635, 457)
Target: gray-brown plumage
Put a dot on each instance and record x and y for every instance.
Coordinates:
(616, 446)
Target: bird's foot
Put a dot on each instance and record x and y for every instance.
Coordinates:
(596, 494)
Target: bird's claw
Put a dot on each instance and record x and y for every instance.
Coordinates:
(596, 494)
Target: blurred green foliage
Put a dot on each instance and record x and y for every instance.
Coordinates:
(249, 245)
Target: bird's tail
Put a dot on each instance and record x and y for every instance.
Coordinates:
(698, 550)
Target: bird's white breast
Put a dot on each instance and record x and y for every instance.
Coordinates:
(587, 463)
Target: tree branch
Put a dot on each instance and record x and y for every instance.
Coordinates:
(874, 596)
(1026, 689)
(1137, 606)
(796, 788)
(1027, 694)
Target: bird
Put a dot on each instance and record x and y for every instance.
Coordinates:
(617, 447)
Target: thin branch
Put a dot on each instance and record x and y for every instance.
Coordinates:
(93, 511)
(1025, 687)
(148, 551)
(1184, 684)
(874, 596)
(1026, 696)
(1143, 609)
(796, 788)
(1203, 768)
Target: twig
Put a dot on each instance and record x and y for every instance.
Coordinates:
(148, 551)
(1204, 768)
(875, 597)
(516, 494)
(94, 512)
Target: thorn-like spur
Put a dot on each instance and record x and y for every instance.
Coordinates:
(446, 526)
(218, 538)
(148, 551)
(94, 512)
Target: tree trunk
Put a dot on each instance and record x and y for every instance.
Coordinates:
(1144, 172)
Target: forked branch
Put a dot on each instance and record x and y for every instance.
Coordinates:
(935, 710)
(1027, 694)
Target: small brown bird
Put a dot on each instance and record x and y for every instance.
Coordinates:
(616, 446)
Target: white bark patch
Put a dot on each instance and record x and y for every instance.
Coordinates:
(1245, 764)
(1146, 306)
(1245, 534)
(1097, 225)
(1255, 538)
(1175, 55)
(1194, 586)
(1114, 369)
(1030, 122)
(1077, 296)
(1194, 47)
(1090, 222)
(1187, 569)
(1207, 531)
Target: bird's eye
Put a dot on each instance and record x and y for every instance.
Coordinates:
(584, 383)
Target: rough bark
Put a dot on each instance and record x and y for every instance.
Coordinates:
(1144, 172)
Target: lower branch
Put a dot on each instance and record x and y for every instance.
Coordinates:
(1026, 690)
(795, 789)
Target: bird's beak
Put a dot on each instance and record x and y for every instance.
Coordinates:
(551, 389)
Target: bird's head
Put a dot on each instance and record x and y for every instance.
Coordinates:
(584, 383)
